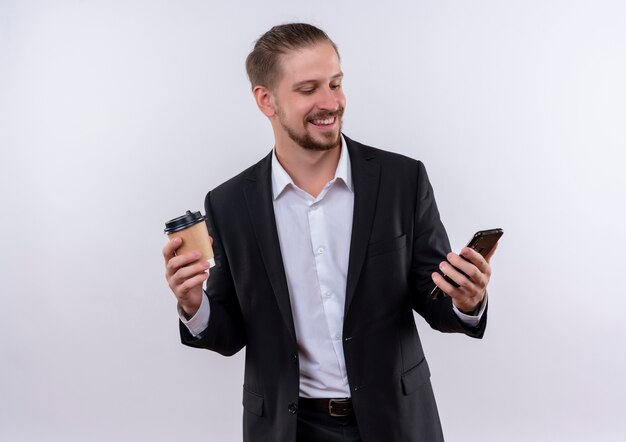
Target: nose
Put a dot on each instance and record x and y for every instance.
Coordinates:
(329, 100)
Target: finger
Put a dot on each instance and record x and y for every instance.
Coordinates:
(190, 284)
(169, 251)
(461, 263)
(179, 261)
(490, 254)
(467, 267)
(475, 258)
(189, 271)
(454, 274)
(444, 285)
(463, 299)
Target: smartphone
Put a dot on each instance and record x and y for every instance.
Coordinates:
(483, 242)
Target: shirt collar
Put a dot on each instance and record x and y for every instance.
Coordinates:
(281, 179)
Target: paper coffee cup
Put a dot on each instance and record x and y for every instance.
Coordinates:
(191, 228)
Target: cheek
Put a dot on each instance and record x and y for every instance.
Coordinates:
(305, 110)
(300, 109)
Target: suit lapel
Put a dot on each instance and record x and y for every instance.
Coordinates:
(365, 177)
(258, 192)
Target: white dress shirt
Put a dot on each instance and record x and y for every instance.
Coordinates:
(314, 236)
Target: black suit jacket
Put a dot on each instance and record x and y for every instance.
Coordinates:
(397, 241)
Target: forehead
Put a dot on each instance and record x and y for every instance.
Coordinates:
(315, 63)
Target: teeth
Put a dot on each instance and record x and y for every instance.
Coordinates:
(326, 121)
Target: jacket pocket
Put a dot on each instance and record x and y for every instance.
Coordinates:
(388, 245)
(252, 402)
(413, 378)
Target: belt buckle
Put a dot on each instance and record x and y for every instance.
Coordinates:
(337, 401)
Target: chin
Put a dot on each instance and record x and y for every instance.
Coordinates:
(319, 144)
(322, 145)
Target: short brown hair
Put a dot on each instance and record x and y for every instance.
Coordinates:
(262, 64)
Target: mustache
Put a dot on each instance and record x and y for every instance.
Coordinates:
(326, 114)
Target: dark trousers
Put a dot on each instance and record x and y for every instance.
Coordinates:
(315, 426)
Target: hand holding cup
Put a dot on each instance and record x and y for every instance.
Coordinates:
(188, 257)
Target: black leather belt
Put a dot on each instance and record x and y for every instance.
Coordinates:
(334, 407)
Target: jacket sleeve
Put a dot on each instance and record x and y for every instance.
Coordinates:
(430, 246)
(225, 332)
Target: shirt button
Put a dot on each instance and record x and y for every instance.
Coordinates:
(338, 336)
(320, 250)
(328, 295)
(293, 408)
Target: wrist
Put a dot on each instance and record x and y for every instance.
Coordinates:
(470, 308)
(189, 311)
(469, 311)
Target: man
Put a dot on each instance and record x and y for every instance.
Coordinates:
(323, 250)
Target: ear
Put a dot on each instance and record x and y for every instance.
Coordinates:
(264, 100)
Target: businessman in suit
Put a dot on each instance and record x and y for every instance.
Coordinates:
(323, 251)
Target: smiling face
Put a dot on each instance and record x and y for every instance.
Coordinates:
(307, 104)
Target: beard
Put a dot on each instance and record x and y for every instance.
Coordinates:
(306, 141)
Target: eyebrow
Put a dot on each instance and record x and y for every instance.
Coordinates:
(304, 82)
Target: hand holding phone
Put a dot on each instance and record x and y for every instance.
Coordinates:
(483, 242)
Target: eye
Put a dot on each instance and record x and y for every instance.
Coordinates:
(335, 86)
(307, 91)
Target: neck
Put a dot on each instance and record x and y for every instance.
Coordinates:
(310, 170)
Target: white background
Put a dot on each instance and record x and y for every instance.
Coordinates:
(116, 116)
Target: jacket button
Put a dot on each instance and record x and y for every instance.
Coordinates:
(294, 358)
(293, 408)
